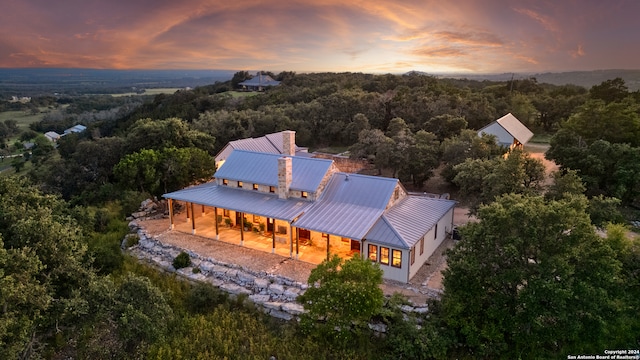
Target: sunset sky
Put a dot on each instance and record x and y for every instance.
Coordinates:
(482, 36)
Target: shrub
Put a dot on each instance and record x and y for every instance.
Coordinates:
(181, 261)
(131, 240)
(204, 298)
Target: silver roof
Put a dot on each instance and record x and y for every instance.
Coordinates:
(349, 205)
(260, 80)
(262, 168)
(253, 202)
(514, 127)
(260, 144)
(406, 222)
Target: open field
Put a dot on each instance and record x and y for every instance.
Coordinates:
(24, 118)
(152, 92)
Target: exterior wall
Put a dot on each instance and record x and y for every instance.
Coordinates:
(398, 194)
(223, 155)
(391, 272)
(504, 138)
(323, 183)
(431, 242)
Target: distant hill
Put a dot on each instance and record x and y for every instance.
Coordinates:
(581, 78)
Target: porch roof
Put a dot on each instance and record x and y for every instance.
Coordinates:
(252, 202)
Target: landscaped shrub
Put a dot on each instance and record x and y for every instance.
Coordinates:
(203, 298)
(181, 261)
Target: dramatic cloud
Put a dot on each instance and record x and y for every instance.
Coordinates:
(322, 35)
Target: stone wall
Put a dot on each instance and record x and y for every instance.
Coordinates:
(276, 295)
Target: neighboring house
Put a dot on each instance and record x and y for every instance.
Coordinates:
(259, 83)
(308, 202)
(75, 129)
(52, 136)
(509, 131)
(270, 143)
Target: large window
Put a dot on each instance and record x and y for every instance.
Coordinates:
(413, 255)
(226, 213)
(225, 182)
(272, 189)
(396, 260)
(255, 186)
(421, 245)
(384, 255)
(304, 194)
(373, 253)
(239, 184)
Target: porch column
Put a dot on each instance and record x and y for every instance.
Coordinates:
(242, 229)
(328, 236)
(193, 221)
(273, 237)
(188, 205)
(170, 214)
(362, 249)
(215, 212)
(290, 241)
(297, 240)
(203, 209)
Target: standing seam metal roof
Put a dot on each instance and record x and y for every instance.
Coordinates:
(261, 168)
(406, 222)
(349, 206)
(515, 128)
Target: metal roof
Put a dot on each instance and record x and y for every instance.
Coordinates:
(260, 80)
(253, 202)
(513, 126)
(262, 168)
(270, 143)
(406, 222)
(349, 206)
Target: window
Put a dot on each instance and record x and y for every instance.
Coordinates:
(256, 219)
(226, 213)
(272, 189)
(255, 186)
(384, 255)
(304, 194)
(239, 184)
(396, 260)
(435, 233)
(225, 182)
(373, 253)
(421, 245)
(413, 255)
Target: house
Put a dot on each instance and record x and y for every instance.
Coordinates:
(509, 131)
(259, 83)
(309, 208)
(270, 143)
(75, 129)
(52, 136)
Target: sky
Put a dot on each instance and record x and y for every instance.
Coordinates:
(371, 36)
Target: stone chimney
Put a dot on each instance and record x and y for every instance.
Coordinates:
(284, 176)
(289, 143)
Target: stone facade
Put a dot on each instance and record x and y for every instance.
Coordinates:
(284, 176)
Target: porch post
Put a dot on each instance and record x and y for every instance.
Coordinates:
(203, 209)
(188, 204)
(242, 229)
(297, 240)
(170, 214)
(328, 236)
(215, 211)
(273, 237)
(193, 221)
(362, 248)
(290, 241)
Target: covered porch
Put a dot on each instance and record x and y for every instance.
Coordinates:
(257, 232)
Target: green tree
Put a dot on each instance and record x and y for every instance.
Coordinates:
(468, 145)
(423, 158)
(531, 277)
(139, 171)
(343, 295)
(610, 90)
(445, 126)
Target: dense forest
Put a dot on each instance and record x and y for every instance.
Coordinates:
(532, 279)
